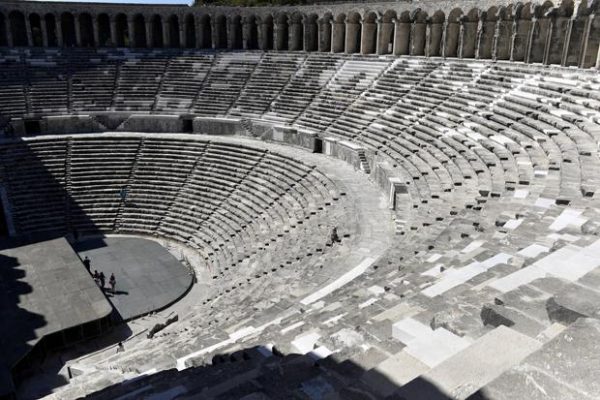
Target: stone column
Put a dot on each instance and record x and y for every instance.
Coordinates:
(262, 33)
(479, 37)
(77, 30)
(199, 32)
(96, 30)
(8, 31)
(378, 39)
(444, 35)
(496, 38)
(528, 46)
(548, 41)
(59, 35)
(44, 32)
(565, 49)
(113, 30)
(427, 36)
(230, 32)
(131, 32)
(584, 41)
(411, 38)
(332, 29)
(182, 31)
(166, 34)
(361, 49)
(513, 39)
(214, 33)
(461, 38)
(245, 33)
(149, 32)
(28, 31)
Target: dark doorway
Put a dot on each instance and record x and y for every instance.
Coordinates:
(32, 127)
(3, 225)
(318, 147)
(188, 125)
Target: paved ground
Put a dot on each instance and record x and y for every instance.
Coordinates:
(148, 276)
(43, 289)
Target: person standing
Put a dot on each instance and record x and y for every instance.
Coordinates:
(102, 280)
(112, 281)
(88, 264)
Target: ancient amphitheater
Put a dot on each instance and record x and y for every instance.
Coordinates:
(454, 145)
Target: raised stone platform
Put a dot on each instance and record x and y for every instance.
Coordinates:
(44, 292)
(148, 277)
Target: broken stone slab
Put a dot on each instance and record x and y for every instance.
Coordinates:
(492, 314)
(566, 368)
(572, 303)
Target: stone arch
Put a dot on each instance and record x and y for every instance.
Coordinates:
(205, 32)
(353, 32)
(173, 27)
(139, 31)
(311, 32)
(18, 28)
(296, 32)
(35, 25)
(436, 33)
(368, 44)
(402, 34)
(418, 34)
(220, 32)
(469, 35)
(3, 38)
(190, 31)
(281, 32)
(104, 37)
(386, 33)
(122, 31)
(488, 30)
(86, 27)
(540, 32)
(251, 33)
(504, 37)
(589, 56)
(559, 34)
(522, 16)
(338, 36)
(266, 38)
(69, 36)
(325, 32)
(156, 26)
(236, 35)
(452, 33)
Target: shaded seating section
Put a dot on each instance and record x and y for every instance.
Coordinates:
(182, 80)
(138, 81)
(268, 79)
(93, 78)
(35, 181)
(496, 233)
(226, 80)
(48, 83)
(225, 200)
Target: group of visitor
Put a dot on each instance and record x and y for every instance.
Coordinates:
(99, 277)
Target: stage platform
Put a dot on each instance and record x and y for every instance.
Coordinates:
(148, 277)
(45, 291)
(47, 294)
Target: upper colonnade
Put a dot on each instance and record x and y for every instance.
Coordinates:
(566, 33)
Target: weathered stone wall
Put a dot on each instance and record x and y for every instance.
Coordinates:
(566, 33)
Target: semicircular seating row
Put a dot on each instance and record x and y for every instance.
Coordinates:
(500, 161)
(231, 203)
